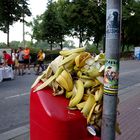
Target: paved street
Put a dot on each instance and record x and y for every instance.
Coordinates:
(14, 100)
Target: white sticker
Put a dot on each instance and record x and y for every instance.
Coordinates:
(113, 24)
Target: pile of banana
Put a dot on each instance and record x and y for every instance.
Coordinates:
(79, 77)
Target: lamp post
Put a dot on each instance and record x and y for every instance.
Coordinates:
(111, 75)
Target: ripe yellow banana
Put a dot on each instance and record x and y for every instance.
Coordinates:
(48, 81)
(90, 113)
(117, 128)
(98, 109)
(69, 66)
(100, 56)
(68, 78)
(55, 63)
(69, 52)
(88, 105)
(68, 58)
(99, 94)
(79, 94)
(100, 79)
(63, 82)
(81, 59)
(81, 105)
(58, 90)
(69, 94)
(89, 83)
(93, 72)
(80, 75)
(46, 74)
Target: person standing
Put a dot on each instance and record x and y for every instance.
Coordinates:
(7, 59)
(13, 55)
(40, 61)
(27, 59)
(20, 61)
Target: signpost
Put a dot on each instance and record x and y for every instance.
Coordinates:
(111, 75)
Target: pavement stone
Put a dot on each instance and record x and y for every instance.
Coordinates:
(129, 118)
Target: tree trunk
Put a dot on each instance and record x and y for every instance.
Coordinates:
(8, 45)
(104, 44)
(97, 45)
(61, 45)
(51, 46)
(80, 39)
(122, 39)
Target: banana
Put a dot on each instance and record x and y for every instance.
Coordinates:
(46, 74)
(58, 90)
(101, 56)
(68, 58)
(69, 94)
(81, 105)
(81, 59)
(100, 79)
(102, 68)
(68, 78)
(65, 80)
(37, 81)
(89, 83)
(99, 94)
(93, 72)
(117, 128)
(69, 52)
(79, 94)
(98, 109)
(88, 105)
(55, 63)
(81, 75)
(90, 113)
(69, 66)
(62, 81)
(85, 97)
(48, 81)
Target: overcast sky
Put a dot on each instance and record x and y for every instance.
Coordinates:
(37, 7)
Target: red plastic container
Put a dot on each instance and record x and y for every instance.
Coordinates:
(50, 119)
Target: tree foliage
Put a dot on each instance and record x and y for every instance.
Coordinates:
(85, 19)
(11, 11)
(131, 23)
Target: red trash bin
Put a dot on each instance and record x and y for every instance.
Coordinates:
(50, 119)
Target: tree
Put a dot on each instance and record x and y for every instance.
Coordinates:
(78, 18)
(53, 25)
(86, 19)
(10, 12)
(130, 23)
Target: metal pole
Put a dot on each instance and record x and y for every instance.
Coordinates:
(111, 75)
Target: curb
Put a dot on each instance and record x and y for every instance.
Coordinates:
(14, 132)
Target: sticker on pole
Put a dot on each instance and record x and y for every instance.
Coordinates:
(112, 24)
(111, 77)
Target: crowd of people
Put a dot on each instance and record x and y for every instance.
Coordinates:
(20, 60)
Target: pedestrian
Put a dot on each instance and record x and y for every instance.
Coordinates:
(27, 59)
(20, 61)
(7, 59)
(16, 66)
(13, 54)
(40, 60)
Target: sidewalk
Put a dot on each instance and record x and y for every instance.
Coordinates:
(129, 109)
(129, 118)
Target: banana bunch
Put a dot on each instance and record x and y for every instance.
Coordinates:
(79, 76)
